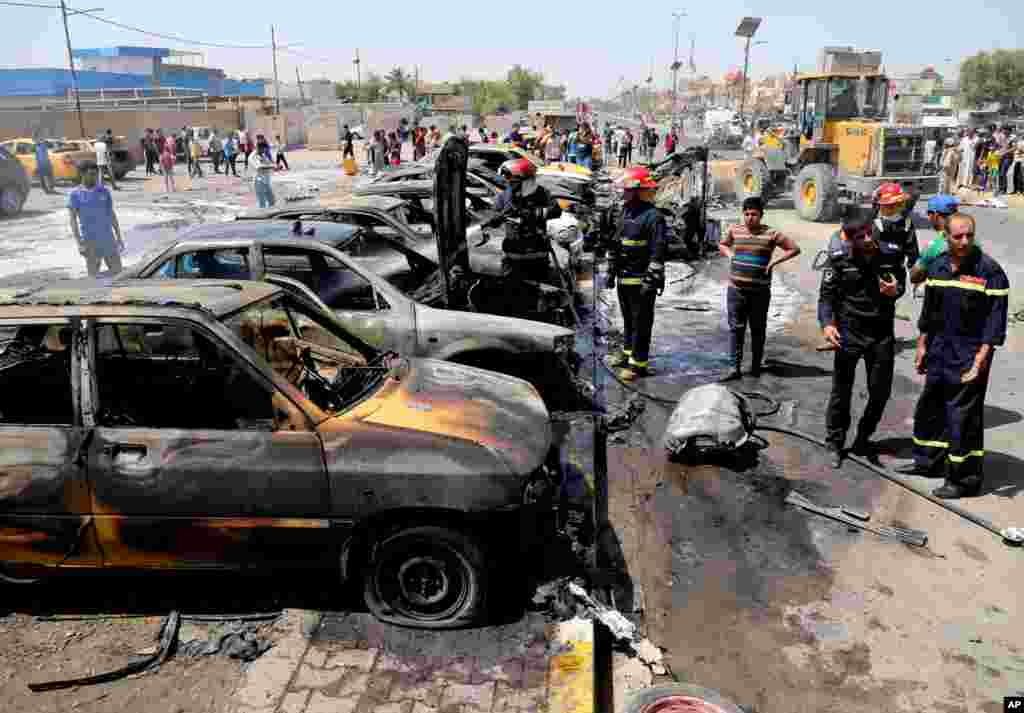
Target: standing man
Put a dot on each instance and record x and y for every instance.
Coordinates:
(950, 162)
(585, 146)
(195, 152)
(103, 160)
(962, 321)
(940, 209)
(750, 246)
(216, 152)
(44, 169)
(967, 147)
(230, 155)
(94, 223)
(525, 208)
(186, 144)
(281, 158)
(637, 261)
(346, 144)
(860, 284)
(895, 224)
(262, 184)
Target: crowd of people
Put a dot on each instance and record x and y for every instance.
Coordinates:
(990, 159)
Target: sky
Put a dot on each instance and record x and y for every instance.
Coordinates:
(594, 54)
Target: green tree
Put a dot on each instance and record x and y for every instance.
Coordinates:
(993, 77)
(371, 89)
(525, 85)
(398, 81)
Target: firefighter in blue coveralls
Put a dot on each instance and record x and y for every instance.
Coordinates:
(526, 247)
(962, 321)
(636, 259)
(860, 284)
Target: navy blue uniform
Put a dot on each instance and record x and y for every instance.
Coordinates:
(850, 299)
(634, 258)
(899, 232)
(526, 246)
(962, 311)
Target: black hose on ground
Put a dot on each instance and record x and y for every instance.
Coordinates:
(945, 504)
(630, 387)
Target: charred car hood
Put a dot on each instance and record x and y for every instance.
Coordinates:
(499, 413)
(522, 335)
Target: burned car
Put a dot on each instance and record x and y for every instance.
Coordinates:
(381, 292)
(210, 425)
(381, 217)
(419, 198)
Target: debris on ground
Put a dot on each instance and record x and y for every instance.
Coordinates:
(566, 598)
(240, 641)
(622, 417)
(652, 657)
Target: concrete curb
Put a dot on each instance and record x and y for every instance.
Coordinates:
(571, 682)
(266, 680)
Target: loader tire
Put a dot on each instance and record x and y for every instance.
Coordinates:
(753, 180)
(814, 193)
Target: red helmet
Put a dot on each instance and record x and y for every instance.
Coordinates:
(638, 177)
(517, 169)
(890, 194)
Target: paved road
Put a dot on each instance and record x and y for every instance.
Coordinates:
(783, 610)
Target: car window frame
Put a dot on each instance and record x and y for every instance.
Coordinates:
(219, 334)
(177, 249)
(263, 247)
(72, 322)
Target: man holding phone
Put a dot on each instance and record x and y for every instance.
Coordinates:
(860, 284)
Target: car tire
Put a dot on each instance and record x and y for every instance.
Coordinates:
(20, 575)
(679, 697)
(448, 567)
(12, 200)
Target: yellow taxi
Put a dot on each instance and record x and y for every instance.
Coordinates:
(64, 166)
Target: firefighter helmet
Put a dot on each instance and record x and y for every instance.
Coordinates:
(638, 178)
(517, 170)
(891, 194)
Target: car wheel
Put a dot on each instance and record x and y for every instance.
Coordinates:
(427, 577)
(11, 201)
(23, 575)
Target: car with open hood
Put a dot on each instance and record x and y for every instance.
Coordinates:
(234, 425)
(382, 293)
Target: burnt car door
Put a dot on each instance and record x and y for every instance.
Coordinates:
(349, 293)
(197, 459)
(44, 497)
(231, 263)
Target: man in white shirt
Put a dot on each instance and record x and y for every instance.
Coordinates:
(748, 144)
(103, 160)
(967, 146)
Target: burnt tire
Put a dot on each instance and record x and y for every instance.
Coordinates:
(12, 200)
(680, 696)
(427, 577)
(753, 180)
(815, 196)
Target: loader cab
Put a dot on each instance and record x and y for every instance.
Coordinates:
(823, 98)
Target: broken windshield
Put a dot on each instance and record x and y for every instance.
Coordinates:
(308, 349)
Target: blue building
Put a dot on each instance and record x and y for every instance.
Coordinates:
(127, 68)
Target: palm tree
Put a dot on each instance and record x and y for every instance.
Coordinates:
(398, 81)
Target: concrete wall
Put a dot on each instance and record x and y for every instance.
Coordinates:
(130, 124)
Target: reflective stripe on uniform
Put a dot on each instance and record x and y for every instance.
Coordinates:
(634, 243)
(957, 283)
(638, 364)
(998, 293)
(631, 281)
(970, 454)
(930, 444)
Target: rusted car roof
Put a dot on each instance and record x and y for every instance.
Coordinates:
(218, 297)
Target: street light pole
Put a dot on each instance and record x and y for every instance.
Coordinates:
(677, 16)
(277, 84)
(748, 26)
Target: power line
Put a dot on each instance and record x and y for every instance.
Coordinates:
(313, 58)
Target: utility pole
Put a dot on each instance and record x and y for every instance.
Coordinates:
(277, 84)
(677, 17)
(302, 97)
(71, 65)
(359, 82)
(746, 68)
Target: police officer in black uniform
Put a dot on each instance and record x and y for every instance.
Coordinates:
(636, 259)
(962, 322)
(525, 207)
(860, 284)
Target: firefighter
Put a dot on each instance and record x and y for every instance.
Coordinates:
(860, 284)
(940, 208)
(526, 246)
(894, 223)
(962, 322)
(636, 259)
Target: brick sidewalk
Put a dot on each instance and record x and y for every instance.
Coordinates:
(354, 664)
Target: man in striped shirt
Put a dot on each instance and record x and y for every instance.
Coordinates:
(750, 246)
